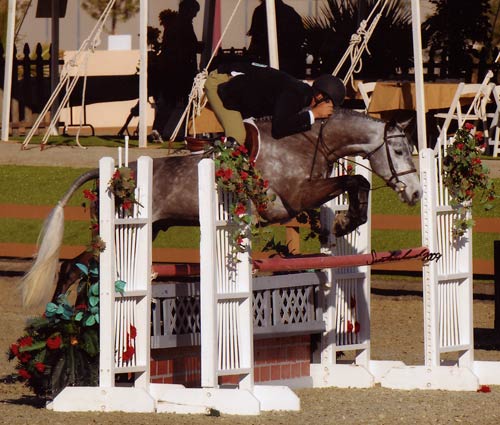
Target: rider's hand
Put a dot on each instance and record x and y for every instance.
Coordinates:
(322, 110)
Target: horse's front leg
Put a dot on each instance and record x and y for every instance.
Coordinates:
(317, 192)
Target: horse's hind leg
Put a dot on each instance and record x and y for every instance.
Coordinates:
(358, 190)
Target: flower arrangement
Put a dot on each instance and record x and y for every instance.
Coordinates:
(236, 173)
(466, 177)
(123, 185)
(61, 347)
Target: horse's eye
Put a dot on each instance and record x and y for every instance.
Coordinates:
(398, 152)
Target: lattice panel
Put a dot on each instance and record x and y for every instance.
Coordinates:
(229, 343)
(260, 308)
(181, 315)
(293, 305)
(450, 323)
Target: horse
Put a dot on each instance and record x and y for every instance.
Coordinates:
(298, 168)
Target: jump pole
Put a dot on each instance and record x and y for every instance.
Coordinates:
(314, 262)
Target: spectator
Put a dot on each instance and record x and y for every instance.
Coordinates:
(291, 35)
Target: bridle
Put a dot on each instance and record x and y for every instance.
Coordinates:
(332, 158)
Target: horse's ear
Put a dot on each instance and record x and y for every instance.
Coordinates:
(405, 124)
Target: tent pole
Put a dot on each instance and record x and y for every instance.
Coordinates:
(143, 74)
(9, 61)
(272, 36)
(419, 74)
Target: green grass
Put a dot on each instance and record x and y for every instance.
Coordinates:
(31, 185)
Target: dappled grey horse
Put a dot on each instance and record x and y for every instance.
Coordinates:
(298, 168)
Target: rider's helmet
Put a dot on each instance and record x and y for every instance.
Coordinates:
(331, 87)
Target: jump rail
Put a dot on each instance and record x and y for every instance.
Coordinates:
(313, 262)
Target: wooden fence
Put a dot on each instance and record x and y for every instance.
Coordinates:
(191, 255)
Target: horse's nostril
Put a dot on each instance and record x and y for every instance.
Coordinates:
(416, 195)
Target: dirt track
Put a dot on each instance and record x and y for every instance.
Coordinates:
(396, 334)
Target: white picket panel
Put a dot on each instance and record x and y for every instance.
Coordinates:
(226, 289)
(346, 300)
(127, 257)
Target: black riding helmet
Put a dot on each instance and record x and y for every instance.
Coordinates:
(331, 87)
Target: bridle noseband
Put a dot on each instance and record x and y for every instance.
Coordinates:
(394, 180)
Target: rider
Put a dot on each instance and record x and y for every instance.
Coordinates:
(244, 90)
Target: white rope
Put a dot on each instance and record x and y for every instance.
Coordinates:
(88, 46)
(197, 99)
(359, 43)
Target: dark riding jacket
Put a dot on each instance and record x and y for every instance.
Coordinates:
(263, 91)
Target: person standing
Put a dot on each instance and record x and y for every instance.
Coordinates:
(291, 36)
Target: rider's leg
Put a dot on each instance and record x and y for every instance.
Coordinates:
(231, 120)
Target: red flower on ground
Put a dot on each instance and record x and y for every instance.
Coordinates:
(23, 373)
(40, 367)
(54, 342)
(88, 194)
(484, 389)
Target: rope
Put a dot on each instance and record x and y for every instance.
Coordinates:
(359, 43)
(197, 95)
(88, 46)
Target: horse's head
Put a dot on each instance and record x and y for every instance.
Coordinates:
(391, 159)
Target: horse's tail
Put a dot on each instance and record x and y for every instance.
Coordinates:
(37, 283)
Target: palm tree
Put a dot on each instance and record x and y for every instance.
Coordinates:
(454, 29)
(390, 47)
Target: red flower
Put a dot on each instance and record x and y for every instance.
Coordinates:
(244, 175)
(240, 209)
(219, 173)
(25, 341)
(479, 135)
(81, 307)
(350, 326)
(23, 373)
(14, 348)
(262, 207)
(235, 153)
(24, 357)
(116, 175)
(95, 227)
(239, 240)
(228, 173)
(40, 367)
(476, 161)
(128, 353)
(468, 126)
(54, 342)
(484, 389)
(91, 196)
(357, 327)
(127, 205)
(133, 332)
(266, 183)
(460, 146)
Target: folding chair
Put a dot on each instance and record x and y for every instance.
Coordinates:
(366, 90)
(494, 127)
(471, 98)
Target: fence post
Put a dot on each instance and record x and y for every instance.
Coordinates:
(496, 253)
